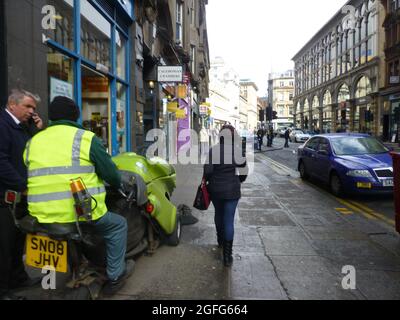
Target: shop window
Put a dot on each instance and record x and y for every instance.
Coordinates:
(61, 75)
(121, 55)
(363, 88)
(95, 35)
(95, 104)
(121, 118)
(344, 93)
(63, 33)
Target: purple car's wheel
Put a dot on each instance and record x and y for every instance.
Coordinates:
(336, 185)
(303, 171)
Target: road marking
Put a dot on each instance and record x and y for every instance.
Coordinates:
(356, 209)
(344, 211)
(375, 214)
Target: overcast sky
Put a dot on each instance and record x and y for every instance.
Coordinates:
(256, 37)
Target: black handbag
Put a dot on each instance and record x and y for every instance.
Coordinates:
(202, 201)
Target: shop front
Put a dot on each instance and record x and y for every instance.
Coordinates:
(315, 115)
(363, 113)
(327, 113)
(343, 111)
(87, 60)
(306, 115)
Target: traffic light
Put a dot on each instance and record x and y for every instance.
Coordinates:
(274, 115)
(262, 115)
(268, 113)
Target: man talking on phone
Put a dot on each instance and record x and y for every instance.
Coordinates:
(17, 124)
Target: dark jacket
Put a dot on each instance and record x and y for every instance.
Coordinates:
(224, 183)
(13, 139)
(104, 166)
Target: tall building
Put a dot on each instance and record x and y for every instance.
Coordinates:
(249, 105)
(391, 92)
(281, 94)
(224, 94)
(339, 72)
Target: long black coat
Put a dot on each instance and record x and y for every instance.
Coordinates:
(13, 139)
(224, 182)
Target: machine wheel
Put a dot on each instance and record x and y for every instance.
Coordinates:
(336, 185)
(174, 239)
(303, 171)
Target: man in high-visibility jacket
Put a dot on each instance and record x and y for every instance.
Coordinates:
(61, 153)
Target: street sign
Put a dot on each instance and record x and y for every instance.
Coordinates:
(204, 109)
(170, 74)
(394, 80)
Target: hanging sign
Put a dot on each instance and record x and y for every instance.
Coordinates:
(170, 74)
(172, 107)
(181, 114)
(182, 92)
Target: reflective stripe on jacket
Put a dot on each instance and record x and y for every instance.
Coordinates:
(54, 157)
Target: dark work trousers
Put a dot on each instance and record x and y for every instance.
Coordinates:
(12, 243)
(286, 142)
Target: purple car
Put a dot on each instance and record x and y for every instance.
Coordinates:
(349, 163)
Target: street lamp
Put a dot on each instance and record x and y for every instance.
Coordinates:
(152, 86)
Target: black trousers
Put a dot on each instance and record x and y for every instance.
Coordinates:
(12, 242)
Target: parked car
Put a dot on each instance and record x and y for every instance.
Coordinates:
(349, 163)
(299, 136)
(280, 132)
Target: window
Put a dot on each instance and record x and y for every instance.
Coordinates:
(64, 32)
(121, 55)
(179, 22)
(95, 35)
(281, 84)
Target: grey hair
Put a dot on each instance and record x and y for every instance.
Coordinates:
(17, 95)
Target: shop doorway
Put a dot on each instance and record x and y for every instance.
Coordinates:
(96, 105)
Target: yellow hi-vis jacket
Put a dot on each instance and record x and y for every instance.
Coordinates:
(54, 157)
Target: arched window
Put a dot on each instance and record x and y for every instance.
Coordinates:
(315, 104)
(363, 29)
(327, 99)
(306, 106)
(344, 93)
(363, 87)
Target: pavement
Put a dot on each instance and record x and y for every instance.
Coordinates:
(291, 243)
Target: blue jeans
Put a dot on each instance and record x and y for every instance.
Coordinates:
(225, 211)
(114, 229)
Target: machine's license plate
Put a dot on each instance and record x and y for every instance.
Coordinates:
(44, 252)
(388, 183)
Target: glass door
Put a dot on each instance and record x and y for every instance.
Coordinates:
(96, 105)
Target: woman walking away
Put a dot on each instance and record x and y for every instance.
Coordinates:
(225, 171)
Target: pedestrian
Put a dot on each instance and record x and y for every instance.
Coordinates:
(224, 173)
(82, 155)
(17, 123)
(287, 137)
(260, 138)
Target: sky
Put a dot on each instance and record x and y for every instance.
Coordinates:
(256, 37)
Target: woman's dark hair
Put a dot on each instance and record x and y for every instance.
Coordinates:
(234, 136)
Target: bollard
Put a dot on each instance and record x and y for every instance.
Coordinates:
(396, 174)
